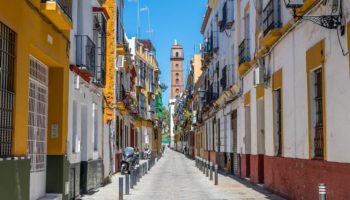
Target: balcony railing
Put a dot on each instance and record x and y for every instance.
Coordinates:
(85, 54)
(66, 6)
(271, 16)
(244, 55)
(211, 96)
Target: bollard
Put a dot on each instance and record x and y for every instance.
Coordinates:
(216, 174)
(138, 173)
(132, 179)
(204, 166)
(322, 191)
(207, 168)
(127, 184)
(121, 188)
(146, 168)
(211, 170)
(200, 164)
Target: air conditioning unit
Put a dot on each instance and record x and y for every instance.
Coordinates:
(295, 3)
(259, 76)
(120, 61)
(76, 82)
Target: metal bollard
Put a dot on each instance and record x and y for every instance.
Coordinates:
(204, 166)
(322, 191)
(211, 170)
(207, 168)
(216, 174)
(138, 173)
(121, 188)
(127, 184)
(146, 168)
(132, 179)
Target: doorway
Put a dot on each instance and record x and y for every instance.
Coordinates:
(260, 139)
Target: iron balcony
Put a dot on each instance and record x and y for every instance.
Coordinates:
(86, 54)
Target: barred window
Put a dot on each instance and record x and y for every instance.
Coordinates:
(7, 64)
(37, 114)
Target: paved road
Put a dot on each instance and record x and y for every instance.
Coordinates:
(175, 177)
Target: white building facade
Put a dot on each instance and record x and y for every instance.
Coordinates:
(292, 119)
(86, 81)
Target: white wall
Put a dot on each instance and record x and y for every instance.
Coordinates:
(87, 94)
(290, 55)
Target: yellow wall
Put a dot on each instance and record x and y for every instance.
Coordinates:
(32, 33)
(109, 88)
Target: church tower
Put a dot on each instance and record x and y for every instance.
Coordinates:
(177, 60)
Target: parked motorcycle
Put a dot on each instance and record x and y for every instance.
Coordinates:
(147, 154)
(130, 160)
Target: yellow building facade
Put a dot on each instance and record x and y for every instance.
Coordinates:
(40, 104)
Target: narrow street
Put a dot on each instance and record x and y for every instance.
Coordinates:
(175, 177)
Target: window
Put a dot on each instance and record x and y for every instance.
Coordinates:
(7, 65)
(317, 112)
(177, 81)
(223, 81)
(75, 144)
(37, 115)
(177, 74)
(224, 17)
(95, 126)
(277, 121)
(156, 134)
(177, 65)
(177, 90)
(176, 54)
(218, 135)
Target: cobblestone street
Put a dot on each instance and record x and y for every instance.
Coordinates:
(175, 177)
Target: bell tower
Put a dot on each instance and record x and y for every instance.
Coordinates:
(177, 60)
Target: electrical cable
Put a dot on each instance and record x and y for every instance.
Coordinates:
(341, 46)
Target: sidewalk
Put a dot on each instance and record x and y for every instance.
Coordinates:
(109, 191)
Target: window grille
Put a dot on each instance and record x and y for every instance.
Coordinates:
(7, 65)
(278, 121)
(318, 139)
(37, 119)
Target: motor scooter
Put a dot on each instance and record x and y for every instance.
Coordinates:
(130, 160)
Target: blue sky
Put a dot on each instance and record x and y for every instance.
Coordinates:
(170, 20)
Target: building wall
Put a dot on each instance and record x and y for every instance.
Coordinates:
(296, 174)
(34, 42)
(109, 90)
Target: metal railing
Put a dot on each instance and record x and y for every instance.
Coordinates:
(271, 16)
(244, 55)
(86, 53)
(66, 6)
(7, 95)
(211, 96)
